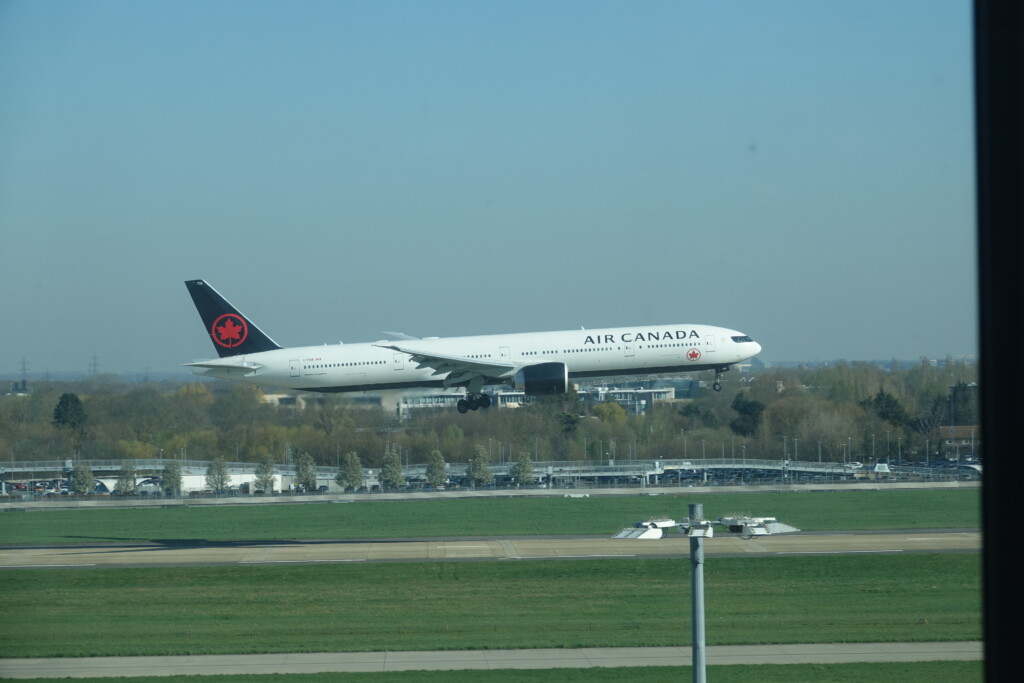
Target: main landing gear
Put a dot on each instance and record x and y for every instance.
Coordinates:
(472, 402)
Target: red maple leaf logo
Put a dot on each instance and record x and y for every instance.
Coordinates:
(232, 332)
(693, 354)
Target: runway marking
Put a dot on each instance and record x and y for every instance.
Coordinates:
(263, 553)
(839, 552)
(359, 559)
(560, 557)
(37, 566)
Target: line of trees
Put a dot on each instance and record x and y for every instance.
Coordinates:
(845, 411)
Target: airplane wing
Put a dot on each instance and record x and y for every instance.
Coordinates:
(459, 369)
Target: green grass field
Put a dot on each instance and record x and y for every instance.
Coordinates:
(922, 672)
(485, 516)
(488, 605)
(434, 605)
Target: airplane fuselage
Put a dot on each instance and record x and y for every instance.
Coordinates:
(654, 349)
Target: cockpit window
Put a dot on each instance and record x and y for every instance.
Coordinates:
(744, 338)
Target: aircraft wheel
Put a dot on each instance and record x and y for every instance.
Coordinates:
(485, 401)
(717, 386)
(463, 406)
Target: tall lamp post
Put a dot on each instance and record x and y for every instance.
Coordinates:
(698, 528)
(698, 531)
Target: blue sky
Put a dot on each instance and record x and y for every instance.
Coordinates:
(800, 171)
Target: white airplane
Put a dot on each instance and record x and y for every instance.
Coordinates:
(533, 362)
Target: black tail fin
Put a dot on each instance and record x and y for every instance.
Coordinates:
(232, 333)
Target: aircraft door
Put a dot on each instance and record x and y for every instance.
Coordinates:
(398, 363)
(628, 348)
(710, 343)
(503, 353)
(296, 369)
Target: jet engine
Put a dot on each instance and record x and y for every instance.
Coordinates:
(542, 378)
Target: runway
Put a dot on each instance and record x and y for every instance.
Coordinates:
(452, 660)
(200, 553)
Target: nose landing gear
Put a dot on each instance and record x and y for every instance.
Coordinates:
(717, 386)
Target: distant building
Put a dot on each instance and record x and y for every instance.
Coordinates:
(20, 388)
(635, 400)
(959, 440)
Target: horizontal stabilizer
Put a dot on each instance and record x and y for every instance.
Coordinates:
(226, 367)
(234, 364)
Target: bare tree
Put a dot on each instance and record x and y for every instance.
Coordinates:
(522, 471)
(437, 469)
(265, 470)
(171, 479)
(478, 472)
(82, 479)
(305, 472)
(351, 473)
(217, 477)
(391, 470)
(126, 478)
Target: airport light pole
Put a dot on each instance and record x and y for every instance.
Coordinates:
(698, 528)
(698, 531)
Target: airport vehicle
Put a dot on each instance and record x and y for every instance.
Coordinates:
(533, 362)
